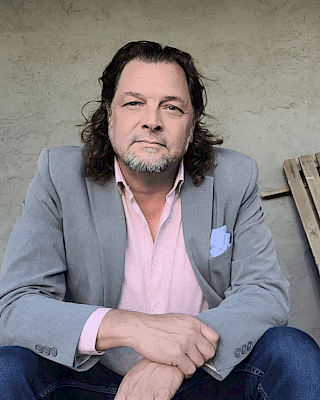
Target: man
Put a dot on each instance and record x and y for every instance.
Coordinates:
(145, 255)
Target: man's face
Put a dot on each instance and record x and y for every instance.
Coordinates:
(151, 123)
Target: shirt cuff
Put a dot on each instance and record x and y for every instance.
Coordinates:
(210, 364)
(88, 337)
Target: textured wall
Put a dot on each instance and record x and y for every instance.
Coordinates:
(263, 61)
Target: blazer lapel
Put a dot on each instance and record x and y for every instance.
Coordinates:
(109, 219)
(196, 215)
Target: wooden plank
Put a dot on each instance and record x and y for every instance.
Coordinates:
(285, 190)
(282, 191)
(305, 207)
(313, 180)
(270, 194)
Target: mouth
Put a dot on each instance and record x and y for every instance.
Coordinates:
(152, 142)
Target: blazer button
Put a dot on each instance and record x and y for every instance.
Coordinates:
(46, 350)
(54, 351)
(244, 349)
(238, 352)
(249, 346)
(39, 348)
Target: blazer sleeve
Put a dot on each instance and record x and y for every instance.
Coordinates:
(34, 314)
(258, 296)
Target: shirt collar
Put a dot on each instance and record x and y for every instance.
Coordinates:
(122, 184)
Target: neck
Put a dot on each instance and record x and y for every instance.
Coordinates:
(146, 184)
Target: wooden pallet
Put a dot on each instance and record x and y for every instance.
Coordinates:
(304, 185)
(305, 189)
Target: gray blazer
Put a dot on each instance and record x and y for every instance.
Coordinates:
(65, 258)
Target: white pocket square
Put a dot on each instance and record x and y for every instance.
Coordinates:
(219, 241)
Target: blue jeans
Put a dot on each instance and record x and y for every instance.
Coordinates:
(284, 365)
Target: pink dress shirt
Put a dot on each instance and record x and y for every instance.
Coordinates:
(159, 278)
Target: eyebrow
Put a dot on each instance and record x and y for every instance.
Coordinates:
(166, 98)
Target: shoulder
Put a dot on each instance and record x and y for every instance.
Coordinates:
(62, 156)
(65, 162)
(233, 165)
(230, 159)
(234, 173)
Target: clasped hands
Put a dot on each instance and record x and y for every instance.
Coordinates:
(173, 347)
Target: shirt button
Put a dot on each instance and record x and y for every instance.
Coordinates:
(155, 263)
(158, 305)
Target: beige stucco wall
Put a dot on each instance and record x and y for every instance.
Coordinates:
(262, 57)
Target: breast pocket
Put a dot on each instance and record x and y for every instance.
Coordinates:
(220, 270)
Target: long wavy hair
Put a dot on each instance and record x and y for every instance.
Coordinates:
(98, 152)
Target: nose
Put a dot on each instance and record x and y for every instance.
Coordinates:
(151, 119)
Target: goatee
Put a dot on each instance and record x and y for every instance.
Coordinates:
(133, 162)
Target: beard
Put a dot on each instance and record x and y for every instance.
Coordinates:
(134, 162)
(138, 164)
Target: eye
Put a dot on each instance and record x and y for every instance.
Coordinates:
(173, 109)
(132, 104)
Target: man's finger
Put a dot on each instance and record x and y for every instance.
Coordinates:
(206, 349)
(186, 366)
(195, 356)
(210, 334)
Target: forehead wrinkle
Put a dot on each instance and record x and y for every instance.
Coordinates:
(133, 94)
(165, 98)
(169, 98)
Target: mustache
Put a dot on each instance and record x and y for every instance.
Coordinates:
(156, 138)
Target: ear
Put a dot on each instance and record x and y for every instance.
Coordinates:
(107, 107)
(191, 132)
(108, 110)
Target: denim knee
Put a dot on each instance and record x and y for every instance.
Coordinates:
(15, 359)
(284, 364)
(293, 348)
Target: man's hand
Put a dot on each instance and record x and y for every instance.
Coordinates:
(171, 339)
(150, 381)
